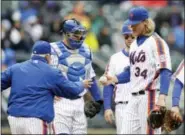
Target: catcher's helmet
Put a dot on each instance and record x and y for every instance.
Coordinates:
(74, 31)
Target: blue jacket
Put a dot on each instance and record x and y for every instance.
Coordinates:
(33, 87)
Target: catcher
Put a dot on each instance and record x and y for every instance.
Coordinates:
(170, 119)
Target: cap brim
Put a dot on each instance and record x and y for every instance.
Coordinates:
(128, 32)
(133, 22)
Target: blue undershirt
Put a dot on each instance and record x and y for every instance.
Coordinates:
(177, 89)
(107, 95)
(94, 90)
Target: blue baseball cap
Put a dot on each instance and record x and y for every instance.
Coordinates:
(137, 15)
(126, 29)
(41, 47)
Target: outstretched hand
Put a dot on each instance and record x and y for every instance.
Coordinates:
(107, 80)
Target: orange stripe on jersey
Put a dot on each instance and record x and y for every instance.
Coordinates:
(44, 131)
(151, 84)
(151, 104)
(179, 68)
(160, 50)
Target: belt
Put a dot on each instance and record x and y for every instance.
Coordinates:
(125, 102)
(142, 92)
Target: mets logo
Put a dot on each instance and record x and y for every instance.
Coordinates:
(131, 15)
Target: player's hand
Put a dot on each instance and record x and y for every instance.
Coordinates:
(176, 113)
(161, 100)
(87, 83)
(112, 79)
(109, 116)
(107, 80)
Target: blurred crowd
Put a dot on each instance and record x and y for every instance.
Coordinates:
(30, 21)
(24, 22)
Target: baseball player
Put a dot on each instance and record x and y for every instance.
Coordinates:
(170, 120)
(121, 91)
(150, 64)
(178, 87)
(33, 87)
(74, 59)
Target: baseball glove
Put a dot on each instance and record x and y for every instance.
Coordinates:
(156, 117)
(170, 122)
(91, 108)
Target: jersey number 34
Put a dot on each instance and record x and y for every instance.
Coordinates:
(141, 73)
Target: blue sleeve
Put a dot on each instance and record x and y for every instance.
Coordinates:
(94, 90)
(124, 77)
(165, 78)
(107, 95)
(6, 79)
(176, 92)
(65, 88)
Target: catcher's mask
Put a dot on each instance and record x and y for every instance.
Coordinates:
(74, 32)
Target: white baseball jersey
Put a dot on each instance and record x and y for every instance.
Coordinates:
(118, 62)
(180, 72)
(146, 60)
(75, 65)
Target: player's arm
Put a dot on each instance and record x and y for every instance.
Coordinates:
(124, 77)
(108, 92)
(65, 88)
(95, 91)
(107, 95)
(178, 85)
(177, 89)
(165, 78)
(163, 65)
(6, 79)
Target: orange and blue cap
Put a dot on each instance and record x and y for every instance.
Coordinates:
(137, 15)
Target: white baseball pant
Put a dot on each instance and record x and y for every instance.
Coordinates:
(70, 117)
(27, 125)
(120, 113)
(136, 113)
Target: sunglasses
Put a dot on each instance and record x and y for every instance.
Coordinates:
(127, 36)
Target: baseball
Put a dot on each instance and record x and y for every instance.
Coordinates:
(103, 79)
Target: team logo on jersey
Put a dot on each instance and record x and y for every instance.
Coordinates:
(162, 58)
(137, 58)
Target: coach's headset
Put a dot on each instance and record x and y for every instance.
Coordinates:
(75, 33)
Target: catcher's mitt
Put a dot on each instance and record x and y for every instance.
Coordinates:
(171, 123)
(91, 108)
(156, 117)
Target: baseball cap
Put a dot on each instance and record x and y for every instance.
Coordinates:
(126, 29)
(137, 15)
(41, 47)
